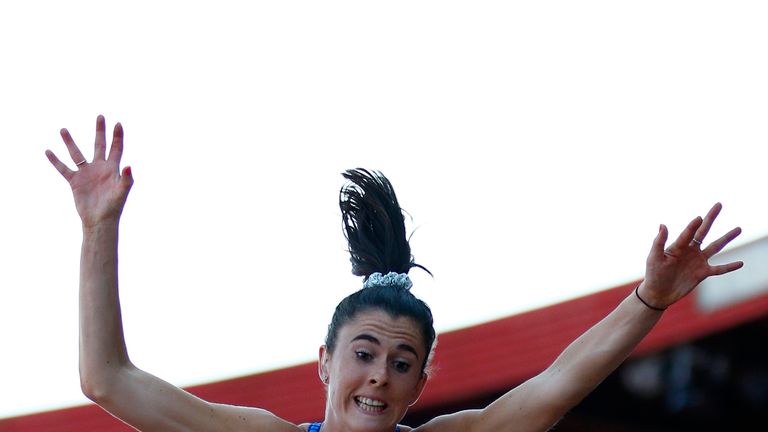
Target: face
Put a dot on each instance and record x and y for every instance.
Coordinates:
(374, 373)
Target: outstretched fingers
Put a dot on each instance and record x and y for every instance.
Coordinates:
(657, 249)
(686, 237)
(725, 268)
(100, 144)
(59, 165)
(718, 245)
(126, 178)
(706, 224)
(74, 151)
(116, 150)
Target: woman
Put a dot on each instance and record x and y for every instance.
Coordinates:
(374, 362)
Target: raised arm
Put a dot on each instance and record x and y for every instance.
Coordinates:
(107, 375)
(540, 402)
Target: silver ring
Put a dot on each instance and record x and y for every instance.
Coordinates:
(81, 162)
(698, 242)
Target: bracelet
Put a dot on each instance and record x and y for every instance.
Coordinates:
(637, 293)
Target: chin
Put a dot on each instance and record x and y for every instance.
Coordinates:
(364, 421)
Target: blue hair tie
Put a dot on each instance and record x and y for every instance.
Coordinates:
(391, 279)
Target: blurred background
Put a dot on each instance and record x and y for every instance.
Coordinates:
(537, 148)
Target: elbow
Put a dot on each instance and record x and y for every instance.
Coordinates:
(95, 388)
(98, 386)
(91, 390)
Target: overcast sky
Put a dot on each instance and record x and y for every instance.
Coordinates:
(537, 146)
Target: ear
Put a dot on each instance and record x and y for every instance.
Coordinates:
(419, 389)
(322, 364)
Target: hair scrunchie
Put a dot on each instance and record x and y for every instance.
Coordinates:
(391, 279)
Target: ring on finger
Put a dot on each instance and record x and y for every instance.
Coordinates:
(698, 242)
(81, 162)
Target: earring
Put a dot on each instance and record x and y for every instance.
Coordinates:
(324, 379)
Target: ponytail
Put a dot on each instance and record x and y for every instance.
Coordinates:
(374, 227)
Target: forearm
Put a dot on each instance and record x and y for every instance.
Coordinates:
(671, 273)
(102, 345)
(588, 360)
(109, 378)
(540, 402)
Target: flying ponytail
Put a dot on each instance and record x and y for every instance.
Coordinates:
(374, 227)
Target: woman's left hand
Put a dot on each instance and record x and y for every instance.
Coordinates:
(671, 273)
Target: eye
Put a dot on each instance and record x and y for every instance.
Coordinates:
(401, 366)
(363, 355)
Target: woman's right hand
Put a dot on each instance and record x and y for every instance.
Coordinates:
(99, 187)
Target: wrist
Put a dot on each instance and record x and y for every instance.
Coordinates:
(648, 300)
(100, 227)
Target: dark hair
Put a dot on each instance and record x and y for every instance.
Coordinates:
(374, 227)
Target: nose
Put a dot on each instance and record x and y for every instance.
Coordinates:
(379, 375)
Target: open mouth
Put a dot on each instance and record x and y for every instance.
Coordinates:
(370, 405)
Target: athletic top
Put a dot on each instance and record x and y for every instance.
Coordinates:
(315, 427)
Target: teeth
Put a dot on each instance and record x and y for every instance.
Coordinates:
(370, 402)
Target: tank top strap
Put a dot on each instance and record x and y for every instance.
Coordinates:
(315, 427)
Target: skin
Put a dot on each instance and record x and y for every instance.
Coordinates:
(377, 357)
(370, 356)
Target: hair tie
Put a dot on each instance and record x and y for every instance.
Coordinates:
(391, 279)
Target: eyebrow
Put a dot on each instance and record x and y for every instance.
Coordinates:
(372, 339)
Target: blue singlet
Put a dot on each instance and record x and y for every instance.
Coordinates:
(315, 427)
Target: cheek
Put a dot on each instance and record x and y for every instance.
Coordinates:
(410, 384)
(345, 375)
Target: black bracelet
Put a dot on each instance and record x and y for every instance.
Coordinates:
(637, 293)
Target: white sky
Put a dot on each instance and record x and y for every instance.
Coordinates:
(537, 146)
